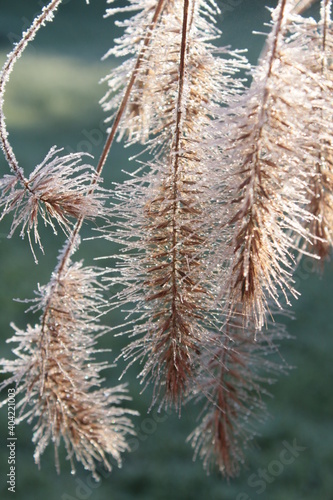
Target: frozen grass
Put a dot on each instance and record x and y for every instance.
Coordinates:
(160, 468)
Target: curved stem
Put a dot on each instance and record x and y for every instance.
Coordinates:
(4, 77)
(72, 240)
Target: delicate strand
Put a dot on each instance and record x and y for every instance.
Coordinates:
(46, 15)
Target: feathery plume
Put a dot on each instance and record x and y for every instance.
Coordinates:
(52, 193)
(58, 378)
(137, 39)
(313, 60)
(164, 209)
(232, 382)
(150, 112)
(264, 180)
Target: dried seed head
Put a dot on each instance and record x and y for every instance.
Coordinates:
(150, 115)
(58, 377)
(263, 154)
(232, 385)
(310, 48)
(59, 189)
(164, 209)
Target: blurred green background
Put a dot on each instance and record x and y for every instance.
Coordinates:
(52, 99)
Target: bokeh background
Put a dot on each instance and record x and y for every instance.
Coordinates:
(53, 99)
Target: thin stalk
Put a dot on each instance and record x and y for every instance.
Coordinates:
(71, 242)
(177, 156)
(325, 20)
(4, 77)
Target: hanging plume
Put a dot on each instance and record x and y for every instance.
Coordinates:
(262, 151)
(310, 51)
(165, 210)
(233, 383)
(58, 378)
